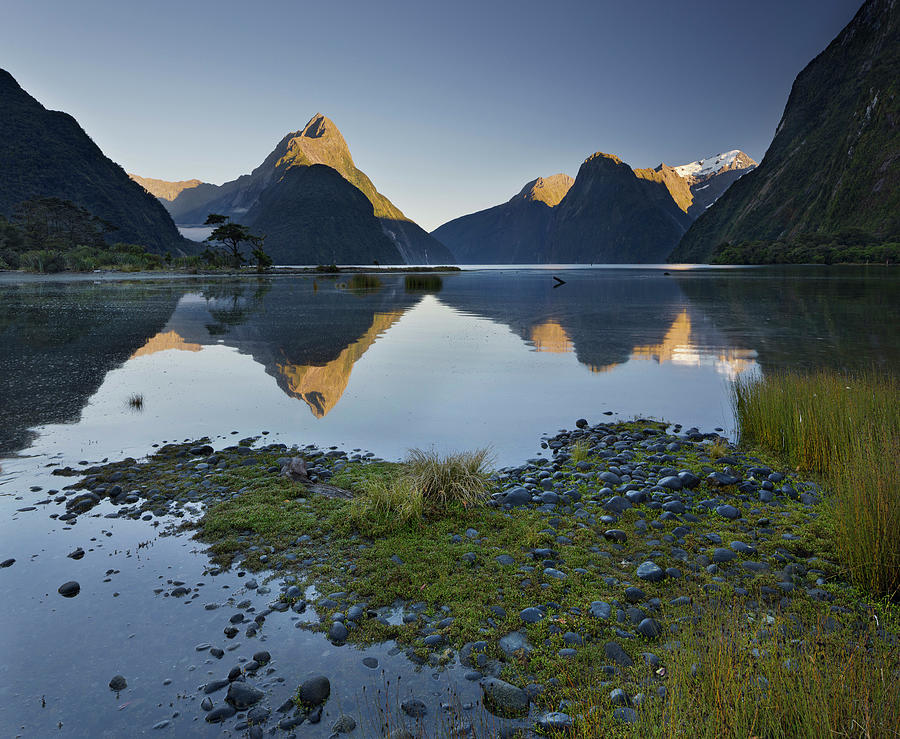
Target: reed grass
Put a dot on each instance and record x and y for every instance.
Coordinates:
(846, 429)
(737, 673)
(136, 401)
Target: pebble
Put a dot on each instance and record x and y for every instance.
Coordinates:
(414, 708)
(504, 697)
(315, 690)
(69, 589)
(651, 572)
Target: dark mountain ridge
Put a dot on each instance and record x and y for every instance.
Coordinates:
(834, 163)
(319, 142)
(45, 153)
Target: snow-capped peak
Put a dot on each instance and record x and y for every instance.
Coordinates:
(713, 165)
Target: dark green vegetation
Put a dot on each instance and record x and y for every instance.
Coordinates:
(271, 197)
(47, 154)
(53, 235)
(846, 428)
(747, 626)
(834, 163)
(314, 216)
(230, 238)
(849, 248)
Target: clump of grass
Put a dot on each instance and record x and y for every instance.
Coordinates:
(462, 478)
(426, 482)
(717, 449)
(389, 500)
(735, 673)
(423, 283)
(579, 451)
(845, 428)
(136, 401)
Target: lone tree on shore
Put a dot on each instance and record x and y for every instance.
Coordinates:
(229, 237)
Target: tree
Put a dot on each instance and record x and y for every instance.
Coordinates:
(59, 224)
(229, 237)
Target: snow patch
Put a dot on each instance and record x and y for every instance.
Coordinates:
(708, 166)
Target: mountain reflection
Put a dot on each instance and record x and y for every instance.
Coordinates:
(321, 386)
(61, 339)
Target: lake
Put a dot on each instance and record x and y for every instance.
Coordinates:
(380, 363)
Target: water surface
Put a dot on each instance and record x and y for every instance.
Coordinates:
(488, 357)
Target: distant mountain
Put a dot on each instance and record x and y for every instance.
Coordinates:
(834, 163)
(319, 142)
(162, 189)
(312, 215)
(46, 153)
(708, 178)
(514, 232)
(633, 208)
(610, 215)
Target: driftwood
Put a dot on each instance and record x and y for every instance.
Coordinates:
(295, 470)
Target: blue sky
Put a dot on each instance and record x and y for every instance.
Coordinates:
(448, 107)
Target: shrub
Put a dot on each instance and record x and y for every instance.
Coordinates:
(42, 260)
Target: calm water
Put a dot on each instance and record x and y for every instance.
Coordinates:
(490, 358)
(483, 358)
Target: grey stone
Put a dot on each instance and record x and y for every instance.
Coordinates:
(414, 708)
(555, 721)
(315, 690)
(344, 725)
(728, 511)
(651, 572)
(515, 642)
(649, 628)
(69, 589)
(241, 696)
(617, 504)
(614, 652)
(599, 609)
(506, 699)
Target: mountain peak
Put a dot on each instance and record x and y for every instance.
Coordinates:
(603, 155)
(319, 142)
(549, 190)
(318, 126)
(723, 162)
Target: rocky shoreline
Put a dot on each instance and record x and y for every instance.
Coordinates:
(580, 573)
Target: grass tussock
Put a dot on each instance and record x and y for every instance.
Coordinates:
(580, 451)
(845, 428)
(426, 482)
(717, 449)
(735, 673)
(136, 401)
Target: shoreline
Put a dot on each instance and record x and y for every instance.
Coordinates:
(588, 561)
